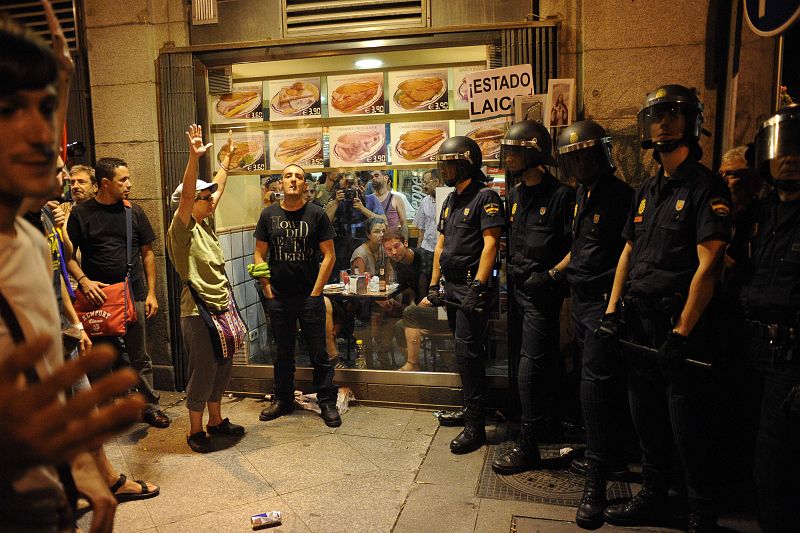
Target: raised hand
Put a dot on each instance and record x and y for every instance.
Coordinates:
(196, 146)
(60, 46)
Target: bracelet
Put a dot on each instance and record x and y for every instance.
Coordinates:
(80, 278)
(223, 167)
(78, 326)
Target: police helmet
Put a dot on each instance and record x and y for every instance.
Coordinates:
(529, 140)
(670, 102)
(459, 158)
(779, 136)
(584, 151)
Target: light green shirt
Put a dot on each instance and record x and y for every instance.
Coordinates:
(197, 256)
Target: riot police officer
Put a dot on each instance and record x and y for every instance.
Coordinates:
(540, 210)
(603, 203)
(676, 234)
(771, 302)
(470, 225)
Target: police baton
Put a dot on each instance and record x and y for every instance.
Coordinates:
(653, 351)
(457, 305)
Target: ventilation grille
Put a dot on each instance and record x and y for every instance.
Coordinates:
(204, 12)
(220, 80)
(338, 16)
(31, 14)
(537, 46)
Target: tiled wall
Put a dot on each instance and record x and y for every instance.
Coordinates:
(238, 246)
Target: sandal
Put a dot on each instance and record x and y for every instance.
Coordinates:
(123, 497)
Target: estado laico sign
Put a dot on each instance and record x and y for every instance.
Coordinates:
(492, 91)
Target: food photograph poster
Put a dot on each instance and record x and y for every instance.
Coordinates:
(249, 152)
(295, 98)
(487, 133)
(355, 94)
(417, 142)
(363, 144)
(296, 146)
(242, 104)
(413, 91)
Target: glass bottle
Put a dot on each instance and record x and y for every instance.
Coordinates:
(361, 361)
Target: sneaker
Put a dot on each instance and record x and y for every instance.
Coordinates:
(199, 442)
(226, 428)
(330, 414)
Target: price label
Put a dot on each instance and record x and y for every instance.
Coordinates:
(380, 158)
(374, 109)
(438, 106)
(259, 166)
(257, 114)
(315, 162)
(312, 112)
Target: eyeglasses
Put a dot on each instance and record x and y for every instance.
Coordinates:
(203, 198)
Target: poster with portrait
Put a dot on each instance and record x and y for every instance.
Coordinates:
(250, 152)
(487, 133)
(301, 146)
(363, 145)
(242, 104)
(560, 107)
(415, 91)
(531, 107)
(294, 98)
(356, 94)
(417, 142)
(460, 85)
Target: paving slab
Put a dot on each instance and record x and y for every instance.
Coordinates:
(441, 467)
(441, 508)
(388, 454)
(369, 421)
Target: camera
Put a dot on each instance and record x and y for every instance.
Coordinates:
(277, 196)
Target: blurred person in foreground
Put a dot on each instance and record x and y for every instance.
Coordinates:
(42, 434)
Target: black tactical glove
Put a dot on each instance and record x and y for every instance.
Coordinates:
(538, 282)
(609, 326)
(435, 297)
(476, 301)
(673, 352)
(791, 405)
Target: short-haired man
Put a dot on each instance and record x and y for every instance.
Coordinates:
(98, 231)
(292, 233)
(425, 218)
(393, 206)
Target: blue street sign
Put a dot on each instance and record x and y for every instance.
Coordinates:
(768, 18)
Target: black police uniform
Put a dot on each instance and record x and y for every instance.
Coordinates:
(600, 216)
(463, 219)
(540, 220)
(668, 219)
(771, 302)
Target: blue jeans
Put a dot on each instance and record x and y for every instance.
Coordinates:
(284, 314)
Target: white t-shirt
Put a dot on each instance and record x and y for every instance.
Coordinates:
(26, 281)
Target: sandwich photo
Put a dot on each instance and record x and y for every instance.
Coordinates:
(352, 147)
(246, 153)
(295, 98)
(488, 139)
(355, 95)
(297, 150)
(419, 92)
(416, 144)
(237, 104)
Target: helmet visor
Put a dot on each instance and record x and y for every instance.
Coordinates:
(512, 157)
(587, 164)
(453, 167)
(777, 138)
(668, 121)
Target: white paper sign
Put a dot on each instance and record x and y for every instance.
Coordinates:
(493, 91)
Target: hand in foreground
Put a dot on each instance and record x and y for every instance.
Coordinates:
(609, 327)
(476, 301)
(196, 146)
(537, 283)
(673, 352)
(60, 46)
(36, 427)
(435, 298)
(93, 290)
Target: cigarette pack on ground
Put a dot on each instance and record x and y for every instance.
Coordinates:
(265, 520)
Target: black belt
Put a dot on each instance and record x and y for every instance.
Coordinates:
(783, 334)
(459, 275)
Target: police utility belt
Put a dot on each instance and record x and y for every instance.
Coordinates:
(783, 335)
(463, 276)
(669, 305)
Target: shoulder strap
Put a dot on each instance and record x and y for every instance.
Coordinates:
(128, 236)
(15, 330)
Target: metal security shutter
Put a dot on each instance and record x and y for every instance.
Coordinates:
(535, 45)
(30, 14)
(177, 110)
(341, 16)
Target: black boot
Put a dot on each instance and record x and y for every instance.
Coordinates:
(590, 511)
(648, 508)
(450, 418)
(522, 457)
(616, 471)
(474, 434)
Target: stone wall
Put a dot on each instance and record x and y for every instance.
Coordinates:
(123, 41)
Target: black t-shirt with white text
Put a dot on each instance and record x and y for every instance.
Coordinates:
(98, 231)
(293, 238)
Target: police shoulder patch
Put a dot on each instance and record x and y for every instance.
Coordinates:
(491, 209)
(642, 206)
(720, 206)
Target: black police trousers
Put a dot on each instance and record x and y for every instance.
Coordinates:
(540, 371)
(602, 383)
(470, 345)
(777, 464)
(678, 398)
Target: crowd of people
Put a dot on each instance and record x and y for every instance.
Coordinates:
(678, 291)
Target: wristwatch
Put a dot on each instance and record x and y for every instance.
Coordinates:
(478, 286)
(556, 274)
